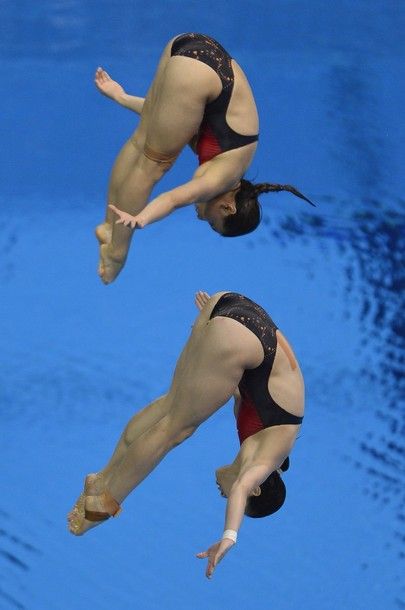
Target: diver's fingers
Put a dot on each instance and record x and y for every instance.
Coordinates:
(202, 555)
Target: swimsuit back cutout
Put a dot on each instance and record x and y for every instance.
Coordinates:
(258, 410)
(214, 136)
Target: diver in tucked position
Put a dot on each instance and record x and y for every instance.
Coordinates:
(199, 96)
(234, 349)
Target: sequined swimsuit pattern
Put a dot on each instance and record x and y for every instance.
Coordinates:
(258, 410)
(214, 136)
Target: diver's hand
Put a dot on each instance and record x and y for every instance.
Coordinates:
(201, 298)
(107, 86)
(127, 219)
(214, 554)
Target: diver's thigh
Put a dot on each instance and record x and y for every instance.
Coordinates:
(175, 111)
(152, 93)
(164, 58)
(210, 369)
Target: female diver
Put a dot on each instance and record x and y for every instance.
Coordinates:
(234, 349)
(199, 96)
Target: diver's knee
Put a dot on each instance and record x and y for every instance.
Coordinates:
(159, 161)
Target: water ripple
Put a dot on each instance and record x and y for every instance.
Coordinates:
(372, 244)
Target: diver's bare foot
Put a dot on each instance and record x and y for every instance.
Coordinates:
(93, 506)
(201, 298)
(104, 233)
(109, 267)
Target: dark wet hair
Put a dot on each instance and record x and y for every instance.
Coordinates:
(272, 496)
(271, 499)
(248, 210)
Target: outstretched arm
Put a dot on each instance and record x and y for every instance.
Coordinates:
(243, 487)
(202, 188)
(112, 89)
(261, 454)
(115, 91)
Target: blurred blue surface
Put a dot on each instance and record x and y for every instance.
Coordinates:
(77, 358)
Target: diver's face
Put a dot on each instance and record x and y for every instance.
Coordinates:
(216, 210)
(225, 478)
(211, 212)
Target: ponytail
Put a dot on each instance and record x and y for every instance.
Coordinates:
(248, 211)
(266, 187)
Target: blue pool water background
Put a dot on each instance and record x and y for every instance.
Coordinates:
(77, 358)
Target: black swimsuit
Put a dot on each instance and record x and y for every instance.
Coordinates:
(214, 136)
(258, 410)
